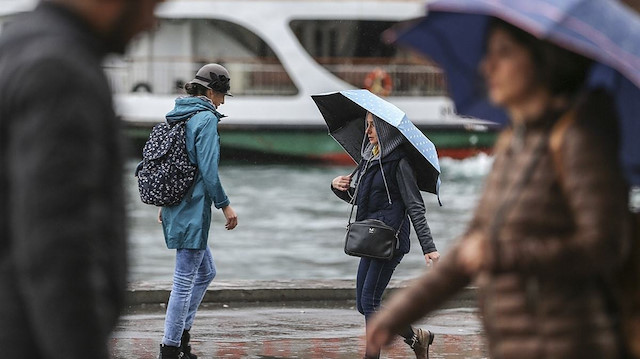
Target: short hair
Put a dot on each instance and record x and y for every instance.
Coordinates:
(561, 71)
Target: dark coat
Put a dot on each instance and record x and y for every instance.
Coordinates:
(547, 290)
(62, 241)
(374, 202)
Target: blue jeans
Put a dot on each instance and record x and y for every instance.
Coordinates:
(373, 277)
(194, 271)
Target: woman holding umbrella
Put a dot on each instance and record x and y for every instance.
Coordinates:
(388, 191)
(548, 234)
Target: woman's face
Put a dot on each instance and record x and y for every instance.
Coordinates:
(371, 129)
(216, 97)
(508, 70)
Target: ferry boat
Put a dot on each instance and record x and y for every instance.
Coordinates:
(279, 53)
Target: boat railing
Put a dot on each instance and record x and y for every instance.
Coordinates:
(263, 77)
(168, 76)
(406, 80)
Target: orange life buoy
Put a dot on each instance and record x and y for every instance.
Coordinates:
(378, 82)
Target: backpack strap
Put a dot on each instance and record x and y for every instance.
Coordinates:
(174, 123)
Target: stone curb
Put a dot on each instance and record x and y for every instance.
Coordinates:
(280, 291)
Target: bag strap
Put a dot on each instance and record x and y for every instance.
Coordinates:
(557, 137)
(355, 192)
(174, 123)
(355, 195)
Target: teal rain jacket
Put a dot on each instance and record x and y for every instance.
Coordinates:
(186, 225)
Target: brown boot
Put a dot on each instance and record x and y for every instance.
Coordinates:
(420, 343)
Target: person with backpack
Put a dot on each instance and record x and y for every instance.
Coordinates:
(548, 240)
(186, 224)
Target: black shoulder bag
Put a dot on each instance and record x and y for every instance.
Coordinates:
(370, 238)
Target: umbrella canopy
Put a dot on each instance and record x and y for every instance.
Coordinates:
(345, 111)
(605, 31)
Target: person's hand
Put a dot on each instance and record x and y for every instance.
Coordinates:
(341, 183)
(432, 258)
(231, 216)
(160, 215)
(472, 254)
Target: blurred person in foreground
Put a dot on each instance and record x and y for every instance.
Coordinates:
(548, 235)
(62, 241)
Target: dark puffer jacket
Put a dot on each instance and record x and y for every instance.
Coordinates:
(62, 241)
(547, 290)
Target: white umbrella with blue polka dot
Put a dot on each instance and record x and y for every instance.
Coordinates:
(344, 113)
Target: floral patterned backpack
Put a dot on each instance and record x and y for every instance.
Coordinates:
(165, 174)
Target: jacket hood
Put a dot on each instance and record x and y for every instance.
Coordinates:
(188, 106)
(389, 138)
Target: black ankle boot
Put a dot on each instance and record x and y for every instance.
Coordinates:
(169, 352)
(185, 347)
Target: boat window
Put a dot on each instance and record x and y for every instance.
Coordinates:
(353, 50)
(162, 61)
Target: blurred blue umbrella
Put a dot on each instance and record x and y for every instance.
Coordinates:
(453, 35)
(344, 112)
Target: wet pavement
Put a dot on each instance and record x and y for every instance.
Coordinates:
(330, 329)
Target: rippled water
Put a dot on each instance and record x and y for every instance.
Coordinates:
(291, 226)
